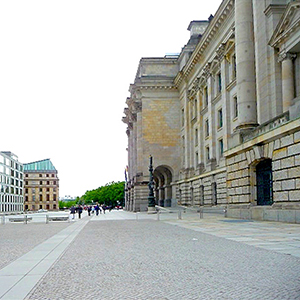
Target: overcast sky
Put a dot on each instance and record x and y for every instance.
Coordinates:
(65, 70)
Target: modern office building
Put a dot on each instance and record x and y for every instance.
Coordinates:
(41, 186)
(11, 183)
(221, 119)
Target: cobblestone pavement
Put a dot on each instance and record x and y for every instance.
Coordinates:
(17, 239)
(126, 259)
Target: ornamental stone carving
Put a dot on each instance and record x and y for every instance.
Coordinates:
(286, 55)
(221, 52)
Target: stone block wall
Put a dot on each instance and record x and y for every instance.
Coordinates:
(286, 171)
(202, 190)
(238, 179)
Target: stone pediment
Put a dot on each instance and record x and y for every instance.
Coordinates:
(288, 27)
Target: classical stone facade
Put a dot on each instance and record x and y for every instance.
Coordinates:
(41, 186)
(221, 119)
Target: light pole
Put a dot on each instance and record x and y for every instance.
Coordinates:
(151, 201)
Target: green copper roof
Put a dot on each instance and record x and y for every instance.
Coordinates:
(41, 165)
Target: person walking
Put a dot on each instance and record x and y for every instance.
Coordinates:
(73, 211)
(89, 210)
(79, 210)
(97, 209)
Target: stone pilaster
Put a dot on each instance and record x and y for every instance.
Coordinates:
(288, 89)
(245, 63)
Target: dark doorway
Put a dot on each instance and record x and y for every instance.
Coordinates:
(264, 182)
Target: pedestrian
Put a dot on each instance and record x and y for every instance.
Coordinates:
(89, 210)
(73, 211)
(97, 209)
(103, 208)
(79, 210)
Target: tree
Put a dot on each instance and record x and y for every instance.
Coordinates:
(110, 194)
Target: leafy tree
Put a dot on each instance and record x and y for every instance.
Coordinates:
(66, 204)
(110, 194)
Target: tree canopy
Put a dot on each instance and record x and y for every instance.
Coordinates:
(110, 194)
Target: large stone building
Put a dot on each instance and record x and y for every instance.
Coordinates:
(11, 183)
(41, 186)
(221, 119)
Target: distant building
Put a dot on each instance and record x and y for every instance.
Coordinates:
(41, 186)
(11, 183)
(67, 198)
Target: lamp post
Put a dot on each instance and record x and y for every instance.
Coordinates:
(151, 201)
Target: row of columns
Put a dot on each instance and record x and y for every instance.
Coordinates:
(245, 59)
(288, 82)
(245, 63)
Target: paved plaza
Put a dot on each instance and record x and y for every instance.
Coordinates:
(123, 255)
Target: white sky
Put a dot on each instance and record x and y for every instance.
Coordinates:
(65, 70)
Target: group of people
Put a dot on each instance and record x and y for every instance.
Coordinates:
(91, 209)
(77, 209)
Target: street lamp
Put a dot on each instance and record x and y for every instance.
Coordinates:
(151, 201)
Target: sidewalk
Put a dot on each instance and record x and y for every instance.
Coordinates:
(22, 275)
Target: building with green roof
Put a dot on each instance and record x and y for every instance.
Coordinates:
(41, 165)
(41, 186)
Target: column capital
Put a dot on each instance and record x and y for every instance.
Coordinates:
(221, 52)
(206, 70)
(286, 56)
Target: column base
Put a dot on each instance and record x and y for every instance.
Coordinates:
(151, 210)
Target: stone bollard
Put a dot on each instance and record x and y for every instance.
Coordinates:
(3, 220)
(25, 219)
(201, 212)
(158, 213)
(47, 219)
(179, 215)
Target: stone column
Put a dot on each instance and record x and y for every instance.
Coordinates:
(245, 64)
(288, 89)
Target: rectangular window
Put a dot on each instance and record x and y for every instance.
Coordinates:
(41, 197)
(196, 136)
(206, 128)
(233, 61)
(219, 82)
(220, 118)
(182, 117)
(207, 154)
(196, 158)
(205, 92)
(235, 107)
(221, 147)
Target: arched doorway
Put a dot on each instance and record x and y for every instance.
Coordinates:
(163, 178)
(264, 182)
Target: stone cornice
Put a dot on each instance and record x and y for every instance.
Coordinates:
(157, 87)
(221, 14)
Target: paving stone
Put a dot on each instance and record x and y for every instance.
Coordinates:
(147, 259)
